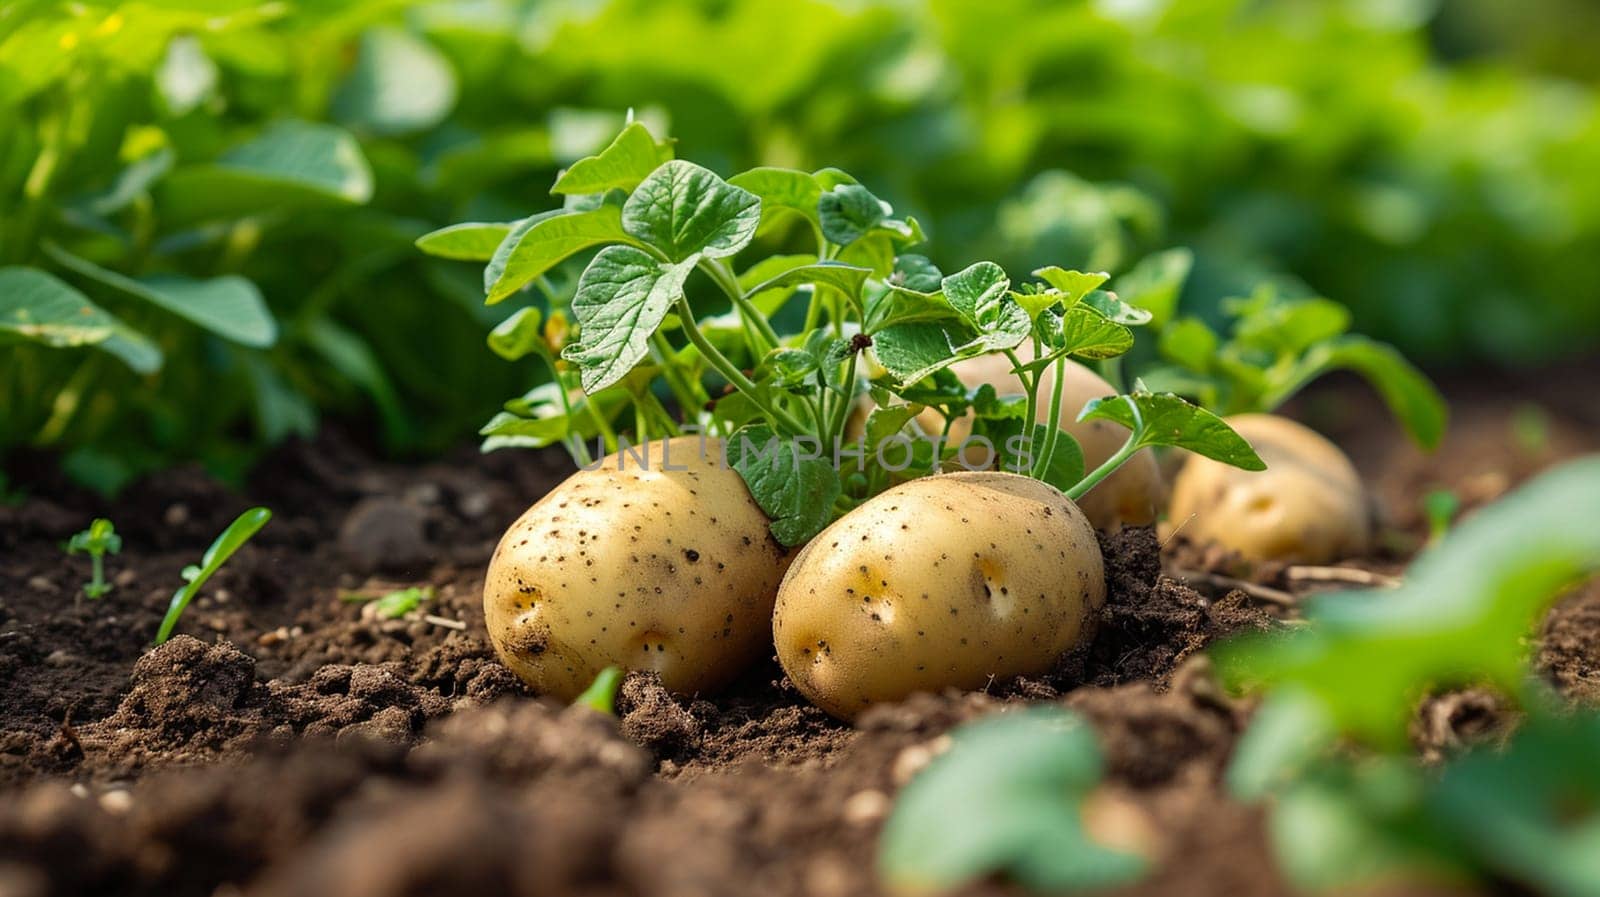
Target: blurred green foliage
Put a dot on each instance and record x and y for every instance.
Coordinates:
(223, 196)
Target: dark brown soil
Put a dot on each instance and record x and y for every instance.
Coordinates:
(290, 744)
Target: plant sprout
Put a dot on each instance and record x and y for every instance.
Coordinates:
(395, 604)
(601, 695)
(195, 576)
(99, 540)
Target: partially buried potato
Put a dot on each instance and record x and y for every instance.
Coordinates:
(1308, 506)
(664, 565)
(1128, 497)
(946, 581)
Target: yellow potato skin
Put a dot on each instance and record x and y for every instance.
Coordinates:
(1129, 497)
(1308, 506)
(648, 568)
(945, 581)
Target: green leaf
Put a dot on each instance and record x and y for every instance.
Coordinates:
(470, 241)
(1006, 798)
(630, 158)
(978, 292)
(229, 306)
(230, 541)
(685, 210)
(795, 487)
(783, 191)
(919, 348)
(847, 279)
(1165, 419)
(1087, 333)
(100, 538)
(1527, 810)
(396, 604)
(38, 307)
(539, 431)
(1462, 615)
(1289, 328)
(518, 335)
(400, 85)
(1353, 825)
(1074, 285)
(789, 368)
(1188, 342)
(289, 163)
(1066, 464)
(848, 212)
(1288, 733)
(1411, 397)
(621, 299)
(131, 183)
(1115, 309)
(1156, 283)
(905, 306)
(539, 243)
(916, 273)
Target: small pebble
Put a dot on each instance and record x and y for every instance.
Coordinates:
(425, 494)
(865, 807)
(475, 504)
(915, 758)
(176, 514)
(79, 789)
(125, 578)
(116, 802)
(60, 657)
(276, 636)
(41, 584)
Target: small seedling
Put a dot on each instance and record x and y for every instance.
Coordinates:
(99, 540)
(195, 576)
(1440, 506)
(395, 604)
(601, 695)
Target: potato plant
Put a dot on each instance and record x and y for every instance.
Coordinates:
(762, 313)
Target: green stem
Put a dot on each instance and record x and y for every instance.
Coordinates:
(749, 313)
(1115, 461)
(841, 410)
(690, 398)
(1052, 426)
(775, 415)
(813, 309)
(67, 402)
(658, 412)
(97, 575)
(1030, 385)
(581, 453)
(37, 185)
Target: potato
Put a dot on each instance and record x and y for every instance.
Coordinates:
(1308, 506)
(1128, 497)
(646, 567)
(945, 581)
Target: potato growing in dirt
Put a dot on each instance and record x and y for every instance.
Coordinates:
(661, 564)
(1128, 497)
(1308, 506)
(945, 581)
